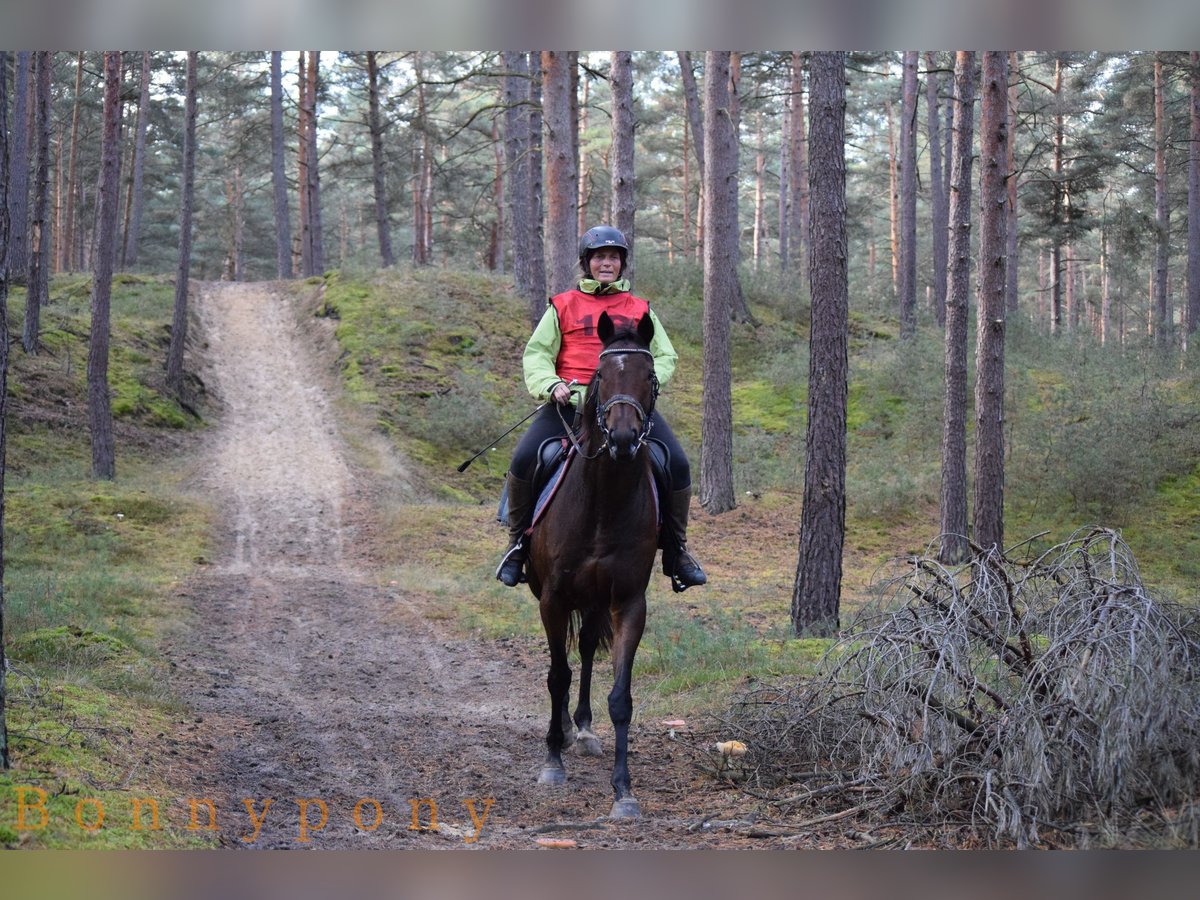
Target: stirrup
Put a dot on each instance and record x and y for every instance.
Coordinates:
(511, 570)
(687, 573)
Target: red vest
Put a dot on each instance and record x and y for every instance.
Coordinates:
(578, 314)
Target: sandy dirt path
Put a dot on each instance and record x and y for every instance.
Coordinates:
(319, 688)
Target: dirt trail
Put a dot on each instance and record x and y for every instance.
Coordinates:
(314, 680)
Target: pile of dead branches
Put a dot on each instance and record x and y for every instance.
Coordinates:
(1011, 697)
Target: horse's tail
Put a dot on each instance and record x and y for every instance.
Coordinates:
(602, 622)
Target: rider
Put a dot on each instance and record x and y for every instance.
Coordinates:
(560, 359)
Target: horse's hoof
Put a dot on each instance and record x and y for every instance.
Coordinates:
(553, 775)
(627, 808)
(587, 744)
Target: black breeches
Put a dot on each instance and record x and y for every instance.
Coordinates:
(546, 424)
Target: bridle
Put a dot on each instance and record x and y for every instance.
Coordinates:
(617, 400)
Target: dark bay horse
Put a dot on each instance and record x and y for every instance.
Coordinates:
(592, 553)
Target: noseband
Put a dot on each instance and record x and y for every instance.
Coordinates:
(617, 400)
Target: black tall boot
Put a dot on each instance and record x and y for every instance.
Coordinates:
(520, 509)
(679, 565)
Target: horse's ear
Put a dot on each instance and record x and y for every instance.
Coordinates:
(645, 329)
(605, 328)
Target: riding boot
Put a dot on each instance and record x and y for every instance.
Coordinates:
(678, 564)
(520, 509)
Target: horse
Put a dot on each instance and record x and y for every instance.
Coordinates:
(592, 552)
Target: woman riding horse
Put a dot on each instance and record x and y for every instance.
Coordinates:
(560, 359)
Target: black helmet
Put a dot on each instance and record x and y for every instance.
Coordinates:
(602, 236)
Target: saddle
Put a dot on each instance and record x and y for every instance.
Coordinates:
(553, 459)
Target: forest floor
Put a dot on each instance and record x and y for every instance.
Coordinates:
(320, 687)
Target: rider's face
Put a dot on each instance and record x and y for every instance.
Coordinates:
(605, 265)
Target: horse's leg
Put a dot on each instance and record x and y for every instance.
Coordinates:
(628, 624)
(586, 742)
(558, 681)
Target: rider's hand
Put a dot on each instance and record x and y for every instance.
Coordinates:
(561, 394)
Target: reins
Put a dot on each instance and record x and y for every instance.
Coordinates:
(616, 400)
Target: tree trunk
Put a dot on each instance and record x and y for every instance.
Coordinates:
(958, 287)
(562, 188)
(585, 170)
(939, 210)
(1013, 253)
(37, 293)
(314, 169)
(306, 262)
(1193, 305)
(283, 225)
(377, 163)
(817, 591)
(136, 200)
(73, 252)
(695, 117)
(760, 166)
(908, 198)
(537, 259)
(495, 251)
(988, 511)
(621, 161)
(18, 194)
(800, 186)
(893, 200)
(720, 284)
(517, 153)
(1056, 239)
(179, 318)
(107, 202)
(1162, 324)
(5, 760)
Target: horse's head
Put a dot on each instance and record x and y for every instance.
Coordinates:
(624, 388)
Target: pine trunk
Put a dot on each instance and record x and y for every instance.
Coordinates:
(283, 225)
(516, 161)
(306, 264)
(939, 209)
(179, 318)
(1193, 251)
(5, 759)
(893, 199)
(621, 161)
(1011, 270)
(816, 594)
(136, 199)
(1162, 324)
(562, 189)
(377, 163)
(988, 510)
(107, 203)
(695, 117)
(958, 288)
(314, 169)
(37, 293)
(18, 193)
(908, 198)
(537, 237)
(720, 284)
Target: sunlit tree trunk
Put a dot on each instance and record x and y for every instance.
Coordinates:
(107, 202)
(816, 595)
(283, 225)
(720, 283)
(621, 161)
(562, 189)
(988, 509)
(958, 289)
(188, 182)
(908, 197)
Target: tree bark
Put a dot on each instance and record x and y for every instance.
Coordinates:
(1162, 330)
(37, 293)
(314, 168)
(908, 198)
(5, 760)
(893, 199)
(1011, 270)
(817, 592)
(18, 194)
(562, 188)
(283, 225)
(137, 200)
(621, 163)
(1059, 191)
(537, 259)
(107, 202)
(72, 251)
(954, 407)
(720, 284)
(377, 162)
(939, 209)
(695, 117)
(179, 318)
(988, 510)
(517, 160)
(1193, 306)
(306, 261)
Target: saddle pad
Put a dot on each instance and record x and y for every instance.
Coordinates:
(553, 480)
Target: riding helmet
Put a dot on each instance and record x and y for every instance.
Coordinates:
(602, 236)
